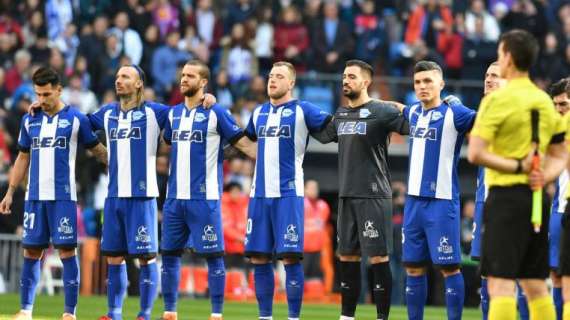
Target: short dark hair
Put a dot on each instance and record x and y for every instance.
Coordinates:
(204, 70)
(522, 46)
(425, 65)
(44, 76)
(559, 88)
(362, 65)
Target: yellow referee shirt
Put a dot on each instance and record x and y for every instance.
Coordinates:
(504, 122)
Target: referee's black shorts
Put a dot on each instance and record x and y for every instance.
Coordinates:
(364, 226)
(511, 249)
(564, 262)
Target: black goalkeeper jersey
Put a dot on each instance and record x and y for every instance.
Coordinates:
(363, 136)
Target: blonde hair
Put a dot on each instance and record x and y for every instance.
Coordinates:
(289, 66)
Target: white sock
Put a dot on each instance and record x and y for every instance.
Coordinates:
(293, 318)
(26, 311)
(216, 315)
(265, 318)
(346, 318)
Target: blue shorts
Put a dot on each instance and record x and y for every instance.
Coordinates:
(554, 230)
(195, 224)
(44, 219)
(477, 224)
(431, 230)
(275, 226)
(130, 227)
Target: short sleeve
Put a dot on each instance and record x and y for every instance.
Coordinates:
(488, 119)
(161, 112)
(560, 131)
(97, 118)
(327, 134)
(463, 118)
(395, 121)
(24, 140)
(406, 112)
(227, 126)
(250, 129)
(315, 118)
(86, 136)
(167, 133)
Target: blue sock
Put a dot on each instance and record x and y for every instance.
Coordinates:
(28, 282)
(484, 299)
(170, 280)
(217, 283)
(454, 296)
(148, 285)
(522, 304)
(70, 283)
(264, 287)
(294, 285)
(416, 294)
(558, 302)
(116, 290)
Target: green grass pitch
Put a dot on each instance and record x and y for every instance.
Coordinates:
(90, 308)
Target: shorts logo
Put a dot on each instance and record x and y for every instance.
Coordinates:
(291, 234)
(209, 234)
(444, 246)
(142, 235)
(369, 230)
(65, 226)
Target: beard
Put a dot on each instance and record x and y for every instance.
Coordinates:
(351, 94)
(277, 95)
(191, 91)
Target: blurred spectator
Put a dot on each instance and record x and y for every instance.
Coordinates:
(165, 17)
(19, 72)
(33, 29)
(57, 62)
(331, 41)
(11, 27)
(264, 40)
(491, 30)
(528, 15)
(67, 44)
(129, 40)
(109, 63)
(257, 90)
(3, 92)
(194, 44)
(238, 12)
(450, 46)
(239, 61)
(139, 17)
(317, 213)
(7, 45)
(234, 217)
(467, 225)
(93, 46)
(550, 65)
(149, 94)
(59, 13)
(207, 24)
(77, 95)
(291, 39)
(370, 35)
(165, 62)
(311, 13)
(151, 43)
(398, 273)
(222, 90)
(39, 50)
(80, 68)
(427, 21)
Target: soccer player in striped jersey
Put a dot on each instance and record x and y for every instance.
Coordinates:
(561, 101)
(275, 213)
(48, 145)
(191, 213)
(132, 127)
(431, 213)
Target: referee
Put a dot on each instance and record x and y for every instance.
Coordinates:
(362, 130)
(501, 142)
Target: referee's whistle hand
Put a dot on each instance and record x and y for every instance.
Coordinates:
(536, 179)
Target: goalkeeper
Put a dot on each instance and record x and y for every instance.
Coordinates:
(501, 142)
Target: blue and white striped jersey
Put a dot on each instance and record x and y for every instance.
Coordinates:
(132, 142)
(482, 191)
(282, 134)
(559, 200)
(197, 137)
(52, 144)
(436, 136)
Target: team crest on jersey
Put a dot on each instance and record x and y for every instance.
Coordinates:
(137, 115)
(286, 112)
(291, 234)
(436, 115)
(364, 113)
(369, 230)
(59, 142)
(444, 246)
(65, 226)
(199, 117)
(63, 123)
(209, 234)
(142, 235)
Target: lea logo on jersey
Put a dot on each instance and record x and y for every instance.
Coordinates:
(423, 133)
(49, 142)
(274, 131)
(187, 135)
(125, 133)
(351, 127)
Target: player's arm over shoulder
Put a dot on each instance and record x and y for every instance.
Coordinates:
(392, 117)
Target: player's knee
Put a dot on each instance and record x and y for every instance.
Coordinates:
(498, 287)
(415, 271)
(291, 260)
(115, 260)
(66, 253)
(33, 253)
(449, 270)
(147, 259)
(344, 258)
(534, 288)
(556, 279)
(259, 260)
(378, 259)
